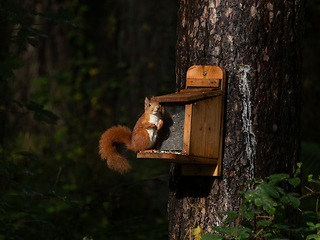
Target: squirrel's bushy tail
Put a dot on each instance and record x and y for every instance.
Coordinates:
(107, 146)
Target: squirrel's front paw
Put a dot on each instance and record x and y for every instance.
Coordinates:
(160, 124)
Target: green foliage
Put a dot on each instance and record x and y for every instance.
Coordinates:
(9, 64)
(41, 114)
(267, 202)
(52, 182)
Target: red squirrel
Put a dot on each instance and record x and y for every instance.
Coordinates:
(143, 136)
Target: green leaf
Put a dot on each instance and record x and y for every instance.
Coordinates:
(36, 32)
(27, 190)
(310, 179)
(276, 178)
(248, 215)
(270, 190)
(312, 236)
(210, 236)
(18, 103)
(257, 211)
(295, 202)
(243, 233)
(298, 170)
(222, 229)
(29, 155)
(268, 235)
(258, 180)
(280, 190)
(293, 194)
(239, 233)
(52, 193)
(285, 199)
(311, 224)
(261, 197)
(243, 208)
(280, 215)
(42, 114)
(34, 106)
(264, 223)
(232, 215)
(294, 181)
(279, 238)
(15, 62)
(46, 116)
(62, 16)
(250, 206)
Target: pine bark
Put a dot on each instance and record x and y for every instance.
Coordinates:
(258, 44)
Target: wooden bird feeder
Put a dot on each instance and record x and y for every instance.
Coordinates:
(192, 133)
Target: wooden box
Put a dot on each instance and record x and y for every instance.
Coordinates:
(192, 134)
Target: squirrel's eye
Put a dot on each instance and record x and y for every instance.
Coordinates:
(149, 104)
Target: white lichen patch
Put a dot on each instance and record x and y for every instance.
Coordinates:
(183, 22)
(228, 12)
(253, 11)
(215, 215)
(196, 24)
(216, 51)
(270, 6)
(286, 78)
(249, 136)
(211, 4)
(213, 18)
(214, 3)
(230, 39)
(274, 127)
(225, 185)
(271, 15)
(217, 38)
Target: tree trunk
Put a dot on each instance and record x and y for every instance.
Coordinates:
(258, 44)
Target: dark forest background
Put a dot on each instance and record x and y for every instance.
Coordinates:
(69, 70)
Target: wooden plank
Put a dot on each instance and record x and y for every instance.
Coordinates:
(221, 140)
(187, 129)
(205, 128)
(187, 96)
(175, 157)
(204, 76)
(200, 82)
(198, 90)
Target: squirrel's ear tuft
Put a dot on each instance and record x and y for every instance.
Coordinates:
(146, 100)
